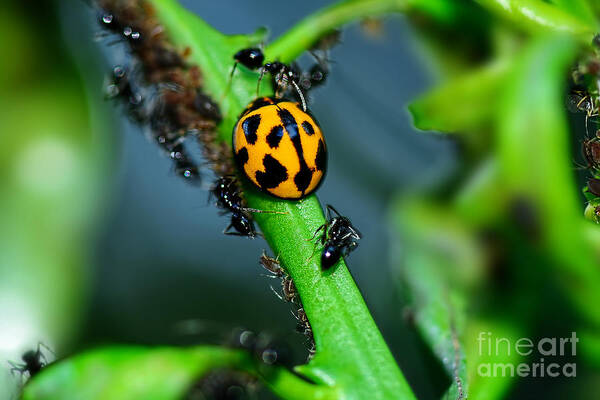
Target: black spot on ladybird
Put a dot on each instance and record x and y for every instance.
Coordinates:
(250, 126)
(274, 137)
(308, 128)
(242, 156)
(274, 174)
(303, 178)
(321, 158)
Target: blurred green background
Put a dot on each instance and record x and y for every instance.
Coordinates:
(100, 242)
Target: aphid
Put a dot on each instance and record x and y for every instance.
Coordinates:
(184, 167)
(272, 265)
(33, 362)
(303, 323)
(580, 101)
(339, 237)
(206, 107)
(593, 185)
(229, 199)
(280, 148)
(121, 87)
(304, 328)
(315, 77)
(290, 294)
(110, 22)
(591, 151)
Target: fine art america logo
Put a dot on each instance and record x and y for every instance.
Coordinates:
(544, 356)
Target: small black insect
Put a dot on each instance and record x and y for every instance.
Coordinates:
(316, 76)
(579, 100)
(339, 237)
(252, 58)
(593, 185)
(591, 151)
(111, 23)
(33, 362)
(283, 75)
(229, 200)
(184, 167)
(122, 87)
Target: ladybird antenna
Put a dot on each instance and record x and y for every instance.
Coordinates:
(301, 95)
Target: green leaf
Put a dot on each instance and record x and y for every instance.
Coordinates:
(537, 16)
(580, 9)
(131, 373)
(463, 104)
(441, 266)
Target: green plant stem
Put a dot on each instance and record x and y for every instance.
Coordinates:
(536, 16)
(351, 353)
(307, 32)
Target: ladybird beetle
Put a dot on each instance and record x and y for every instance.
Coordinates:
(280, 148)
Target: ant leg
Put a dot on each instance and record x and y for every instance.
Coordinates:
(262, 73)
(330, 208)
(324, 226)
(230, 82)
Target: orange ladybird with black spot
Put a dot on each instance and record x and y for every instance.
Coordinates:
(280, 148)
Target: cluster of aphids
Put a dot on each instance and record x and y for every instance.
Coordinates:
(585, 98)
(290, 295)
(159, 90)
(156, 88)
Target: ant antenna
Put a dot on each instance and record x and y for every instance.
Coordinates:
(301, 95)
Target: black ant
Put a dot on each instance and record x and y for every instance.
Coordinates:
(229, 199)
(339, 238)
(283, 75)
(33, 362)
